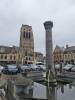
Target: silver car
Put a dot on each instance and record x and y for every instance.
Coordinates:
(68, 67)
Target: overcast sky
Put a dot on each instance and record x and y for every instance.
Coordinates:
(14, 13)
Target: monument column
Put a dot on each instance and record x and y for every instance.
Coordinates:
(49, 51)
(49, 45)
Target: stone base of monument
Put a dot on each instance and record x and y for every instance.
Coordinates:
(51, 80)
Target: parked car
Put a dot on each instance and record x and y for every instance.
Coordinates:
(5, 70)
(68, 67)
(11, 69)
(41, 66)
(1, 68)
(57, 66)
(73, 69)
(25, 68)
(33, 67)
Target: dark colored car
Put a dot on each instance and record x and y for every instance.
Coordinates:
(11, 70)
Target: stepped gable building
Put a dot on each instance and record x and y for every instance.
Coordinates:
(58, 54)
(69, 54)
(27, 43)
(9, 55)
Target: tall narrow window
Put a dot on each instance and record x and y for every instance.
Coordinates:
(24, 34)
(25, 53)
(29, 35)
(1, 56)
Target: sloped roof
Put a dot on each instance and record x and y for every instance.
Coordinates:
(7, 49)
(58, 48)
(70, 49)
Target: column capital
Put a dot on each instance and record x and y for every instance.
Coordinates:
(48, 24)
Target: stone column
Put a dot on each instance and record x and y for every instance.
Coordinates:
(49, 52)
(49, 45)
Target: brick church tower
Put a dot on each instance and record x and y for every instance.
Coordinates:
(27, 43)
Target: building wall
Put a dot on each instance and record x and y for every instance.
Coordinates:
(69, 57)
(10, 58)
(58, 55)
(10, 55)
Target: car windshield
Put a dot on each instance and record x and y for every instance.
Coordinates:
(12, 66)
(69, 66)
(24, 66)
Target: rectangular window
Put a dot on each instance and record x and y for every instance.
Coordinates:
(1, 56)
(6, 57)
